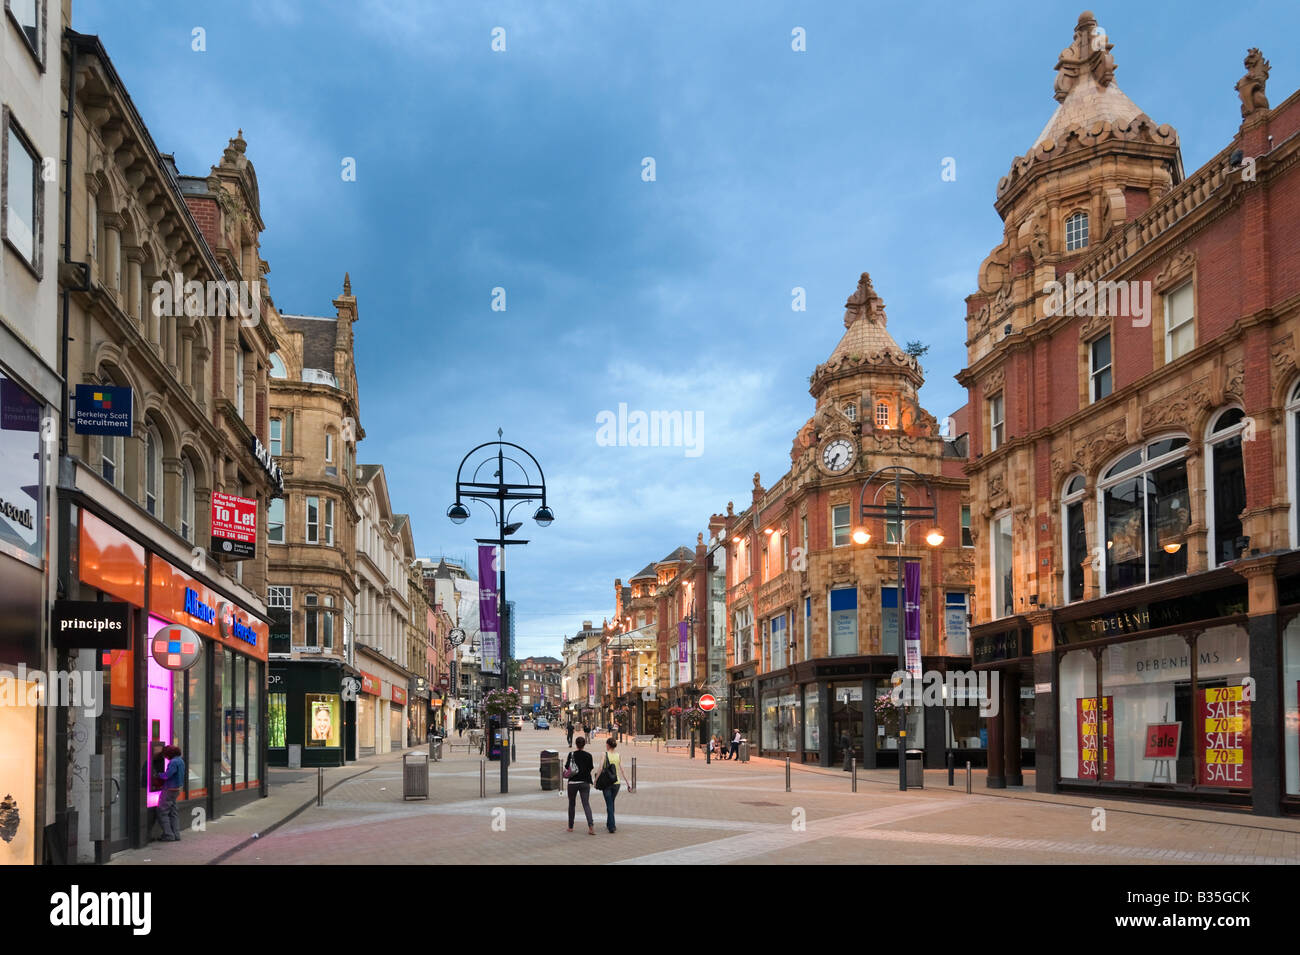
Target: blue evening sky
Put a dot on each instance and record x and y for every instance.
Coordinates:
(522, 170)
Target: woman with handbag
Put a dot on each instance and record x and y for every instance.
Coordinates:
(577, 770)
(610, 778)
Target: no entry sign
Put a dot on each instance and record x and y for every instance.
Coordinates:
(707, 702)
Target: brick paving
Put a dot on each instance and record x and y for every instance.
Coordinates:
(685, 811)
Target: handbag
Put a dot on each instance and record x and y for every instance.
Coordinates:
(568, 767)
(608, 776)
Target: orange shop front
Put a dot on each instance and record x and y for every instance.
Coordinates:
(212, 705)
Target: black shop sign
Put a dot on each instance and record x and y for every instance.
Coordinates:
(91, 624)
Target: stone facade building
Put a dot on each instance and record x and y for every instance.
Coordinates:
(314, 426)
(1133, 376)
(147, 250)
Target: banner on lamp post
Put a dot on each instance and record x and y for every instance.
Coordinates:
(912, 616)
(683, 654)
(488, 611)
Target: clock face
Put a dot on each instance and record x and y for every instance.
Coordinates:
(839, 455)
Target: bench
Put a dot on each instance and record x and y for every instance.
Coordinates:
(642, 739)
(671, 744)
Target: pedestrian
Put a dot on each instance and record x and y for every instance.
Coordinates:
(460, 728)
(713, 746)
(735, 745)
(580, 765)
(568, 734)
(173, 782)
(612, 772)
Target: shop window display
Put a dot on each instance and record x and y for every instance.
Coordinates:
(812, 716)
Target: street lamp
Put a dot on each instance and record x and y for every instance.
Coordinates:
(899, 512)
(496, 494)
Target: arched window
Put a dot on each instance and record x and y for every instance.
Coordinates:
(1076, 537)
(186, 510)
(277, 366)
(1076, 231)
(1144, 513)
(152, 472)
(1293, 461)
(1225, 485)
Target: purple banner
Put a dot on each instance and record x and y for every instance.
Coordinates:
(912, 616)
(591, 689)
(683, 654)
(488, 611)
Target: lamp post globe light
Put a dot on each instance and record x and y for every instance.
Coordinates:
(899, 513)
(486, 482)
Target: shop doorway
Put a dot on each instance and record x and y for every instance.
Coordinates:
(846, 718)
(122, 794)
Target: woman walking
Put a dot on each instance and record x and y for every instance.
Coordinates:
(580, 763)
(614, 766)
(735, 746)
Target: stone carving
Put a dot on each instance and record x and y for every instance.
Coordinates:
(1234, 376)
(999, 497)
(1092, 326)
(1038, 246)
(994, 380)
(1100, 444)
(1251, 86)
(1176, 267)
(1088, 54)
(864, 303)
(1284, 361)
(1180, 409)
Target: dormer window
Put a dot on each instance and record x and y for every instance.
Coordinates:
(1076, 231)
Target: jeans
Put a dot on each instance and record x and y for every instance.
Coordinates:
(735, 751)
(610, 793)
(583, 790)
(168, 815)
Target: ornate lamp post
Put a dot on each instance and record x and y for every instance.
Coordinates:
(497, 494)
(891, 512)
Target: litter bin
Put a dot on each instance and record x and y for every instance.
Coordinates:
(744, 750)
(415, 776)
(550, 770)
(915, 769)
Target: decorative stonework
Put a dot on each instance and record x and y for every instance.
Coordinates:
(994, 380)
(1283, 360)
(1176, 267)
(1181, 409)
(864, 303)
(1251, 86)
(1101, 444)
(1140, 129)
(1234, 379)
(1093, 326)
(999, 497)
(1088, 54)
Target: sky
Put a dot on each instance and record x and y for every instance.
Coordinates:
(518, 177)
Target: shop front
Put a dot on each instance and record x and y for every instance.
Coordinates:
(382, 711)
(742, 702)
(1007, 740)
(397, 724)
(307, 716)
(368, 710)
(1156, 696)
(193, 675)
(23, 599)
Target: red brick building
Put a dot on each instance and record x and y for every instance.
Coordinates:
(1133, 372)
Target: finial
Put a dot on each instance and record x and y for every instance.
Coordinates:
(699, 539)
(347, 284)
(499, 433)
(1251, 86)
(1088, 54)
(864, 303)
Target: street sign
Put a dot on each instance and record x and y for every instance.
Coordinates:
(708, 702)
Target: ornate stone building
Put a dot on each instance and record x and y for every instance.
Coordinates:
(147, 249)
(1132, 372)
(313, 429)
(813, 623)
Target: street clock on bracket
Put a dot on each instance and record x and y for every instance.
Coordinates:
(838, 455)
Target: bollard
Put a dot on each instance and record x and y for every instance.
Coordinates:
(482, 778)
(952, 766)
(787, 774)
(855, 774)
(968, 777)
(633, 789)
(320, 785)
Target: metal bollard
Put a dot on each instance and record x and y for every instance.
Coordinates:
(855, 774)
(320, 785)
(787, 774)
(633, 789)
(482, 778)
(968, 777)
(952, 766)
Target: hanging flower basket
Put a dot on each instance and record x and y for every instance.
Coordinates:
(501, 702)
(694, 715)
(621, 711)
(674, 711)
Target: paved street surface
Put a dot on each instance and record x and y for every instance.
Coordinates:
(685, 811)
